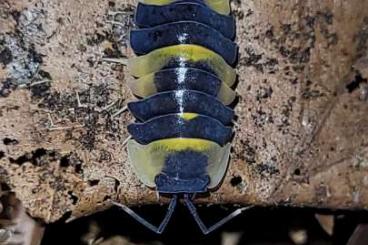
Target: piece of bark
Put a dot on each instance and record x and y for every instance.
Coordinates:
(300, 136)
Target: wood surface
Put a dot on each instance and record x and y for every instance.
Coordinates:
(302, 115)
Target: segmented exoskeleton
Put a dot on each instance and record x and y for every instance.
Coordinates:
(184, 74)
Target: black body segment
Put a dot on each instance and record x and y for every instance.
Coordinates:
(184, 172)
(180, 126)
(181, 101)
(151, 15)
(182, 78)
(145, 40)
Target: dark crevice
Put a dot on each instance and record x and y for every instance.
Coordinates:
(297, 172)
(4, 187)
(353, 85)
(73, 197)
(6, 87)
(6, 56)
(65, 217)
(64, 161)
(35, 157)
(236, 180)
(8, 141)
(93, 182)
(2, 154)
(73, 161)
(78, 168)
(39, 153)
(116, 186)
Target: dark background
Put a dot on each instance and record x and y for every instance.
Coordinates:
(257, 226)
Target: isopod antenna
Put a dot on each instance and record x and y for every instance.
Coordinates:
(157, 229)
(193, 210)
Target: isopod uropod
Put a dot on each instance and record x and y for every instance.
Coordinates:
(184, 74)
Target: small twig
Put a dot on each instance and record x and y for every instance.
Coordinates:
(40, 82)
(53, 127)
(34, 83)
(119, 12)
(65, 128)
(115, 23)
(108, 107)
(51, 121)
(123, 61)
(127, 140)
(125, 108)
(78, 101)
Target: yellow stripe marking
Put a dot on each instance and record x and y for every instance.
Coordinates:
(220, 6)
(159, 58)
(181, 144)
(188, 116)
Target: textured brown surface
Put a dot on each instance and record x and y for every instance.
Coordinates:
(301, 132)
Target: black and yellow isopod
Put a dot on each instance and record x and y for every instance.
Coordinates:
(184, 78)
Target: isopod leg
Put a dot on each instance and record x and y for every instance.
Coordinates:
(188, 202)
(143, 221)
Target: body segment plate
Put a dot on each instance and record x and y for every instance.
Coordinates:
(182, 79)
(151, 15)
(149, 161)
(183, 55)
(186, 125)
(146, 40)
(178, 102)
